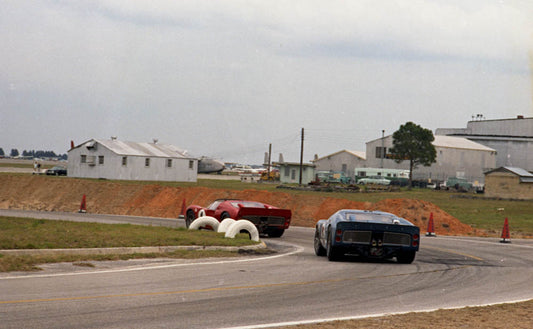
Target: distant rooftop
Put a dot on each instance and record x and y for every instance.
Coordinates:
(459, 142)
(359, 154)
(139, 149)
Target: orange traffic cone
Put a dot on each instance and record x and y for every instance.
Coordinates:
(431, 226)
(83, 205)
(506, 236)
(183, 207)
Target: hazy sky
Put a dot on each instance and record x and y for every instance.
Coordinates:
(226, 78)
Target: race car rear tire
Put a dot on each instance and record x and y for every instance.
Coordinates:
(275, 232)
(331, 252)
(319, 249)
(202, 222)
(225, 225)
(406, 257)
(243, 225)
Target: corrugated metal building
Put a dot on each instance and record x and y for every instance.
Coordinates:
(509, 183)
(114, 159)
(456, 157)
(344, 161)
(511, 138)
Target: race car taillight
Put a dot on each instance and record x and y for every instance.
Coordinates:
(338, 235)
(415, 240)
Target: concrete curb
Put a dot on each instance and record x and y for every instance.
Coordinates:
(123, 250)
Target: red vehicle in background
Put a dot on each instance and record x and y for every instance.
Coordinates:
(268, 219)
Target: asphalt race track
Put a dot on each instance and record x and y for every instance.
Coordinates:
(289, 287)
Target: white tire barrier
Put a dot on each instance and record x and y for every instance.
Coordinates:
(243, 225)
(201, 213)
(225, 224)
(203, 222)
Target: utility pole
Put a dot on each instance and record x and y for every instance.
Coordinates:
(382, 146)
(301, 158)
(269, 158)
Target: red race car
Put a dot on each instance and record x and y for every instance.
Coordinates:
(268, 219)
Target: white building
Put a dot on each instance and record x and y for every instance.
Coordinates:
(289, 172)
(456, 157)
(344, 161)
(121, 160)
(511, 138)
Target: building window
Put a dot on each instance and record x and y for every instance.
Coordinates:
(124, 161)
(293, 174)
(100, 159)
(191, 164)
(169, 163)
(344, 168)
(147, 162)
(287, 171)
(381, 152)
(83, 158)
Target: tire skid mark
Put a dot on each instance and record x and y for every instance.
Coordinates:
(261, 286)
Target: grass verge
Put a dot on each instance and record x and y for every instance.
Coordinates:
(29, 233)
(30, 263)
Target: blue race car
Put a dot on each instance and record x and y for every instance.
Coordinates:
(370, 234)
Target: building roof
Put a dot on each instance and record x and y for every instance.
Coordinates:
(279, 164)
(459, 143)
(452, 142)
(138, 149)
(359, 154)
(524, 175)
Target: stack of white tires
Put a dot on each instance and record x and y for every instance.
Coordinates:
(229, 226)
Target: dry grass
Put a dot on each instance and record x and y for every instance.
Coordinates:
(517, 316)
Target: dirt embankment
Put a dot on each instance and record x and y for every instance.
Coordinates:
(46, 194)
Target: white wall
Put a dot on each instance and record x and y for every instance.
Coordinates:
(450, 162)
(335, 162)
(135, 168)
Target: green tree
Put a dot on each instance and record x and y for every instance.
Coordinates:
(414, 144)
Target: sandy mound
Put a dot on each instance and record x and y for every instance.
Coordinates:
(52, 194)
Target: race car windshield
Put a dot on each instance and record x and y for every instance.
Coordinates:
(214, 205)
(375, 218)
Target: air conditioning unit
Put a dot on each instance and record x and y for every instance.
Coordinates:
(91, 160)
